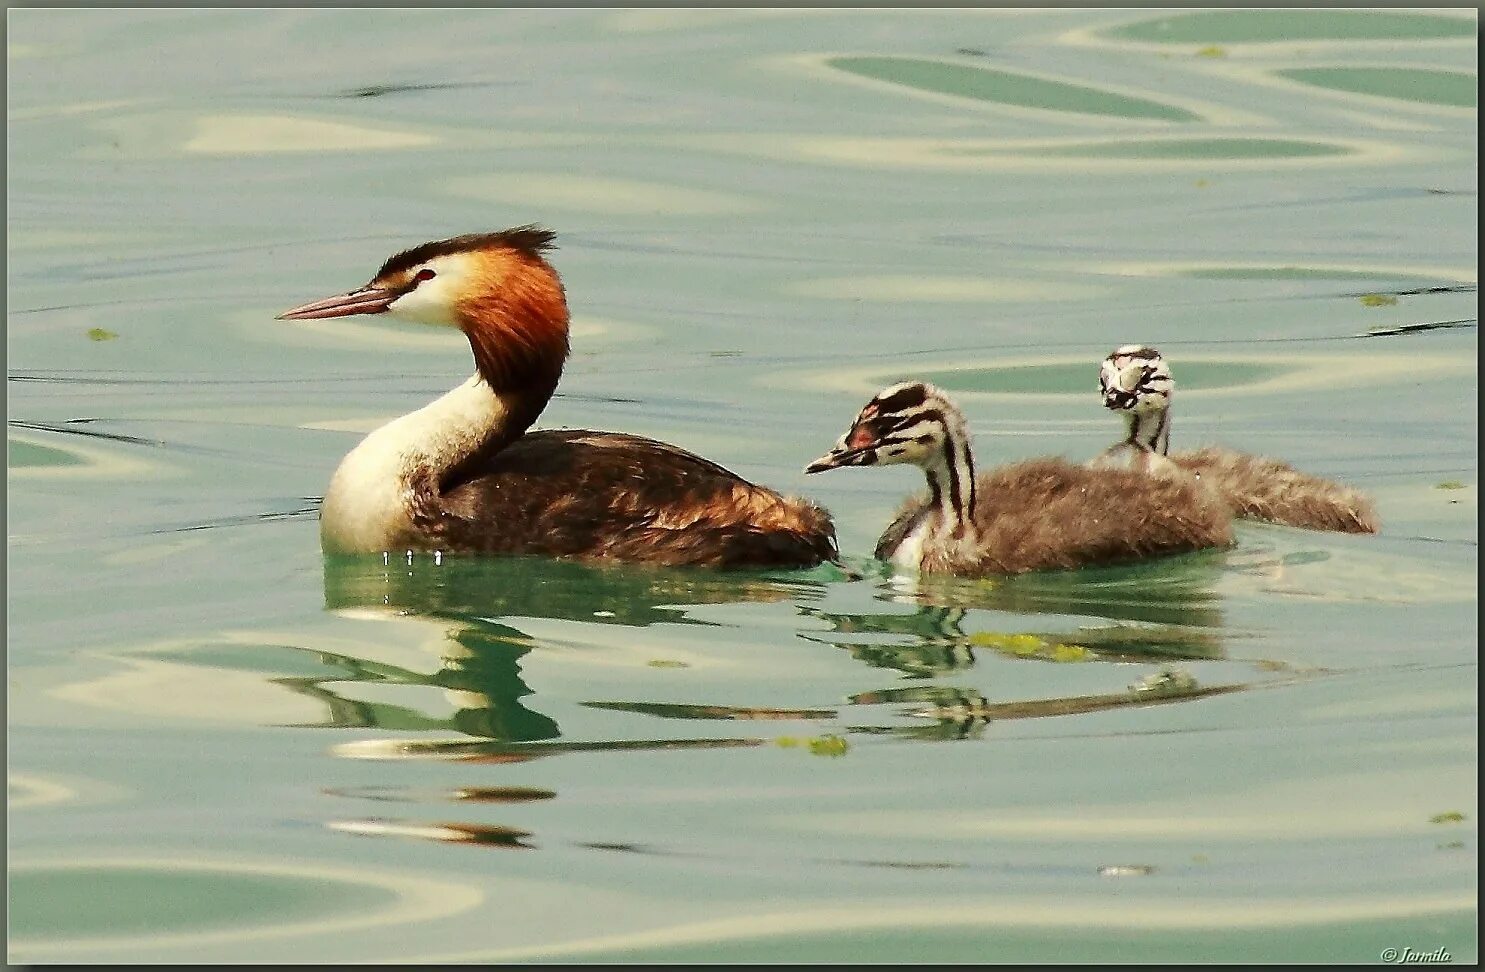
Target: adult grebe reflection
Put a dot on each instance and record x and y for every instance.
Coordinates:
(479, 673)
(479, 667)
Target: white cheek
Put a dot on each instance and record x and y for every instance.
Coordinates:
(428, 304)
(432, 301)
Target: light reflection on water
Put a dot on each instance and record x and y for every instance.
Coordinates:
(1254, 755)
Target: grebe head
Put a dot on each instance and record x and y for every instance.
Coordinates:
(905, 423)
(495, 287)
(1135, 378)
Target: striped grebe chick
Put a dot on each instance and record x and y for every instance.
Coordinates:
(463, 474)
(1137, 381)
(1042, 514)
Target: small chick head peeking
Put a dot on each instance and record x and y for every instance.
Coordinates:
(1135, 378)
(906, 423)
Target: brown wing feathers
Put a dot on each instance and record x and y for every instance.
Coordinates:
(1048, 514)
(608, 496)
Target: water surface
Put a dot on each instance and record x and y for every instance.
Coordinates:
(223, 747)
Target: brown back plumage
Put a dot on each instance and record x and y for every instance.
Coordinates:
(1261, 488)
(606, 496)
(1049, 514)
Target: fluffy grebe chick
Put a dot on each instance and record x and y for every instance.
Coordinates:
(462, 474)
(1036, 515)
(1135, 379)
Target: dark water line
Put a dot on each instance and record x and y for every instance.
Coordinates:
(146, 302)
(247, 519)
(260, 460)
(1459, 542)
(1383, 474)
(1415, 328)
(112, 436)
(1463, 288)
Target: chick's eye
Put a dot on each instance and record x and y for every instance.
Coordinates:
(425, 274)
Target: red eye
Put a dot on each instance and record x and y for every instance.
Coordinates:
(425, 274)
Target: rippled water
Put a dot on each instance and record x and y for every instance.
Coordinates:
(222, 748)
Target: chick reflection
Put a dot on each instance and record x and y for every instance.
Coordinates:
(1162, 611)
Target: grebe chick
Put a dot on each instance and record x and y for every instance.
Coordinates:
(1136, 380)
(462, 474)
(1036, 515)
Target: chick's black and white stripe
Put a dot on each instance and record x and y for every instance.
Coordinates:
(1135, 379)
(1038, 514)
(915, 416)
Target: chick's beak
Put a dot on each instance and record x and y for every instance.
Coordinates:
(367, 300)
(836, 458)
(829, 460)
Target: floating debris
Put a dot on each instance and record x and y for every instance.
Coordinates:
(1212, 50)
(501, 794)
(1452, 816)
(1126, 870)
(666, 663)
(1167, 681)
(1378, 300)
(830, 745)
(1451, 484)
(490, 835)
(100, 334)
(1031, 646)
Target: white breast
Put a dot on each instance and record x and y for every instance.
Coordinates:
(366, 504)
(909, 552)
(365, 508)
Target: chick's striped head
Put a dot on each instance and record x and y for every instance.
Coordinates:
(905, 423)
(1135, 378)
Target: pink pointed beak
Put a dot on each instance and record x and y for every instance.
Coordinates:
(367, 300)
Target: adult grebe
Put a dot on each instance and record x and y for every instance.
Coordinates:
(462, 474)
(1136, 380)
(1035, 515)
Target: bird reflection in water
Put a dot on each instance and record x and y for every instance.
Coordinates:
(1156, 614)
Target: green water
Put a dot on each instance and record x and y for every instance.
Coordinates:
(1277, 26)
(225, 748)
(1005, 87)
(87, 902)
(1453, 88)
(29, 454)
